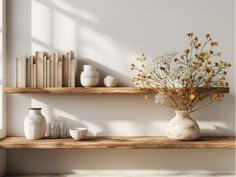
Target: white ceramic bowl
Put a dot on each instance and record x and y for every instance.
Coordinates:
(89, 81)
(78, 133)
(89, 68)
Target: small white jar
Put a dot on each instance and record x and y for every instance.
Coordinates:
(110, 81)
(34, 124)
(89, 77)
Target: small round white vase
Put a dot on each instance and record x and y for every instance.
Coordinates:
(182, 127)
(110, 81)
(34, 124)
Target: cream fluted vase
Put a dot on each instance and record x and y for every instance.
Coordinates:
(182, 127)
(34, 124)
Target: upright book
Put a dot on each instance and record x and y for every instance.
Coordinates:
(28, 72)
(40, 68)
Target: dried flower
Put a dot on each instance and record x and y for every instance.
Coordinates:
(175, 79)
(192, 97)
(187, 51)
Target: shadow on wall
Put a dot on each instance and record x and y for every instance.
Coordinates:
(118, 161)
(96, 113)
(104, 71)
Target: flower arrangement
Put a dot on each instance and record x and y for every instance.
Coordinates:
(175, 80)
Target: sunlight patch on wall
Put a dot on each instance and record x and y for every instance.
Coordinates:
(41, 22)
(75, 10)
(36, 46)
(104, 50)
(124, 127)
(63, 32)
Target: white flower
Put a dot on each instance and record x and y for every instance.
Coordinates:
(160, 97)
(167, 58)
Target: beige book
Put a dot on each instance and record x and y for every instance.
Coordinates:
(34, 75)
(28, 73)
(48, 73)
(23, 71)
(68, 68)
(59, 71)
(55, 58)
(52, 68)
(44, 71)
(72, 55)
(40, 68)
(17, 72)
(72, 64)
(32, 71)
(64, 71)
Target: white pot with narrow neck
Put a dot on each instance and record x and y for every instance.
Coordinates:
(182, 127)
(34, 124)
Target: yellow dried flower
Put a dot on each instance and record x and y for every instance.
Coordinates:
(192, 97)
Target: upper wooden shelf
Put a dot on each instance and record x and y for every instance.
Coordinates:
(111, 90)
(114, 142)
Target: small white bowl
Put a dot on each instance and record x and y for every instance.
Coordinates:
(78, 133)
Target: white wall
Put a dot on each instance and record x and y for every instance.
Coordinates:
(2, 98)
(111, 34)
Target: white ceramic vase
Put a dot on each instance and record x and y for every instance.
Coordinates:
(89, 77)
(34, 124)
(182, 127)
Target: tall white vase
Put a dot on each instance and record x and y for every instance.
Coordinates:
(183, 127)
(34, 124)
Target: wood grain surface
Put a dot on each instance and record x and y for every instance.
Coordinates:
(115, 142)
(112, 90)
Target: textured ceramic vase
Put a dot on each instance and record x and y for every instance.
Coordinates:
(183, 127)
(34, 124)
(89, 77)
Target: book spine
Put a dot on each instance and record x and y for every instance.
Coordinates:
(23, 71)
(76, 72)
(72, 73)
(31, 71)
(55, 56)
(65, 71)
(52, 74)
(28, 73)
(17, 73)
(39, 65)
(59, 71)
(48, 73)
(68, 68)
(44, 71)
(34, 74)
(72, 55)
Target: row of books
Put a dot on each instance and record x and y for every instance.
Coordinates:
(46, 70)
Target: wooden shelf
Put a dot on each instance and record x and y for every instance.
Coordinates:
(113, 142)
(111, 90)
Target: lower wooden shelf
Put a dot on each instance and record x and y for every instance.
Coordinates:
(115, 142)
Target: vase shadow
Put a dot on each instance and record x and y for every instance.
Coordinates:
(123, 81)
